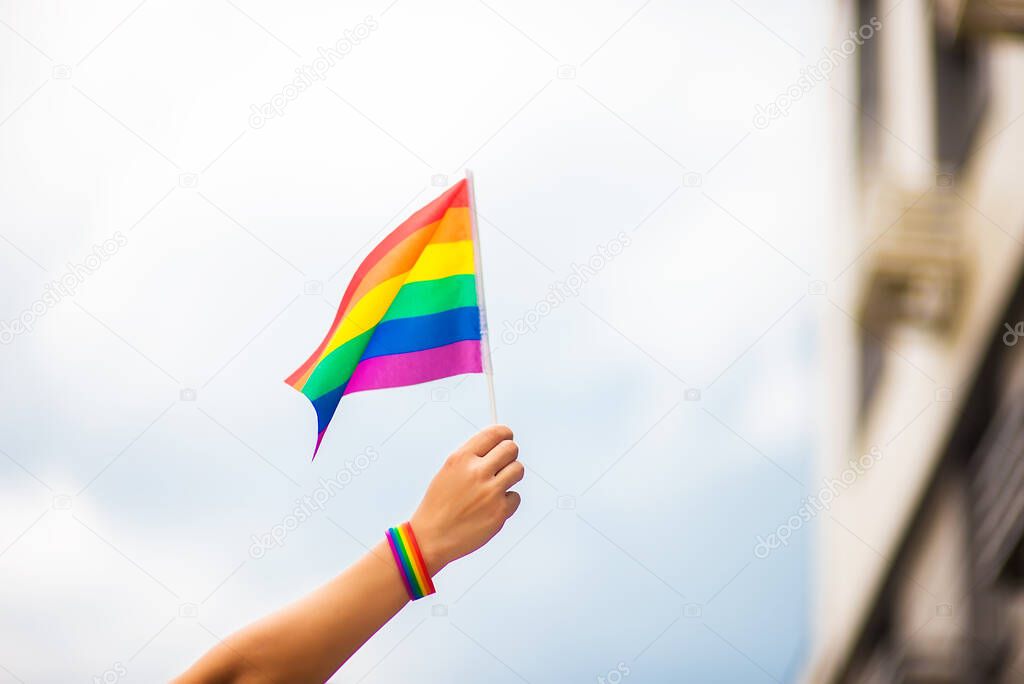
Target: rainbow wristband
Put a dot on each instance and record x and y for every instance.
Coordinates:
(410, 562)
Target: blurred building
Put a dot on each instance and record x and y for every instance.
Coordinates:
(920, 564)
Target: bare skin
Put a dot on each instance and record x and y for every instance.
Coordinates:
(466, 504)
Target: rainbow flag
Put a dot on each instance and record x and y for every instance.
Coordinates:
(410, 314)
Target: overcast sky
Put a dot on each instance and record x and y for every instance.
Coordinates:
(665, 410)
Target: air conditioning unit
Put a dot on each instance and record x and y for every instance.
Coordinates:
(917, 270)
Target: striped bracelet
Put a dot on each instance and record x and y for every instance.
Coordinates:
(410, 561)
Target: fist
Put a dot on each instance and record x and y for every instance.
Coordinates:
(468, 501)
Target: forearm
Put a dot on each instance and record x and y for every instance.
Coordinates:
(466, 504)
(308, 640)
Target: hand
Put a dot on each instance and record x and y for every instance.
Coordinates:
(468, 501)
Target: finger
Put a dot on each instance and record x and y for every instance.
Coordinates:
(487, 439)
(510, 474)
(501, 455)
(512, 501)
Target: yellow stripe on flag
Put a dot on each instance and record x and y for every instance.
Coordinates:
(438, 260)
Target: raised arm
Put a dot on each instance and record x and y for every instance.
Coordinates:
(466, 504)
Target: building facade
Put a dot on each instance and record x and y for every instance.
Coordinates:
(920, 562)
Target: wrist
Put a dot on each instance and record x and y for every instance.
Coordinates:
(431, 547)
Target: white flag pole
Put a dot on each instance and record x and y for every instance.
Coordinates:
(485, 345)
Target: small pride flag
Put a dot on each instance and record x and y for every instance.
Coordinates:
(413, 311)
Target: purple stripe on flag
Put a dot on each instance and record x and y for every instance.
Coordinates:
(399, 370)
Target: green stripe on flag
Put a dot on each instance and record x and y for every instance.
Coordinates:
(433, 296)
(335, 370)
